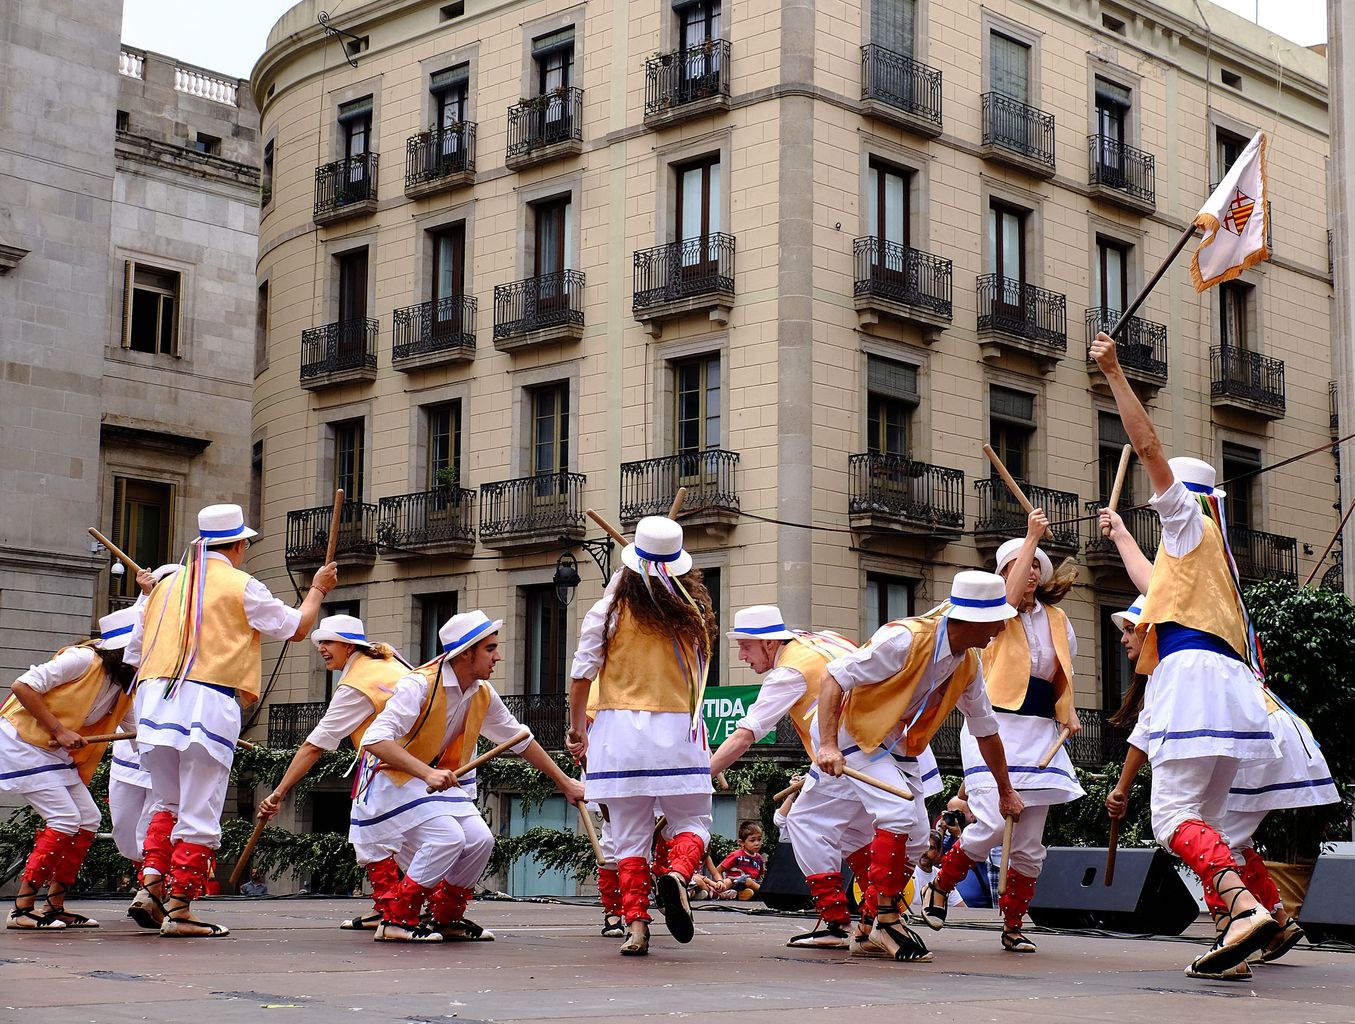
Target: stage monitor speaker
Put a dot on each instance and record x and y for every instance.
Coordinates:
(785, 888)
(1148, 897)
(1329, 907)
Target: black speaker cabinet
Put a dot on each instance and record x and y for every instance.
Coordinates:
(785, 888)
(1148, 897)
(1329, 907)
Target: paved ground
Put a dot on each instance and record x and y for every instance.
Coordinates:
(286, 960)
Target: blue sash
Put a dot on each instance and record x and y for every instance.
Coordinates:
(1172, 637)
(1038, 702)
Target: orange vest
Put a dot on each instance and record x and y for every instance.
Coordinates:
(227, 645)
(641, 671)
(424, 741)
(811, 661)
(375, 679)
(871, 713)
(70, 703)
(1006, 665)
(1195, 590)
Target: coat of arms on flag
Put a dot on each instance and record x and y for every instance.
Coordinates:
(1233, 219)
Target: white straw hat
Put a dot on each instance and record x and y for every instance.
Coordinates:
(658, 541)
(760, 622)
(977, 596)
(223, 524)
(1006, 554)
(1197, 475)
(347, 629)
(1129, 618)
(115, 629)
(462, 631)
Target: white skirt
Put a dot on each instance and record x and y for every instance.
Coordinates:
(126, 766)
(1202, 704)
(196, 714)
(1299, 777)
(1026, 739)
(929, 772)
(645, 753)
(25, 768)
(385, 812)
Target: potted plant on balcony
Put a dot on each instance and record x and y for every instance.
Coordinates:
(444, 501)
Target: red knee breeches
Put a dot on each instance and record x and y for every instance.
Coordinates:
(1201, 847)
(447, 903)
(889, 868)
(385, 878)
(609, 889)
(1016, 900)
(859, 862)
(159, 848)
(50, 849)
(1256, 877)
(77, 848)
(660, 856)
(189, 868)
(829, 898)
(404, 904)
(955, 865)
(685, 851)
(635, 880)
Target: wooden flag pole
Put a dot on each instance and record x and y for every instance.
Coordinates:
(607, 527)
(1120, 472)
(1111, 850)
(1006, 857)
(1012, 485)
(116, 551)
(1139, 299)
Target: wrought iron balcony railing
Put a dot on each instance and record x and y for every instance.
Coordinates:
(1334, 403)
(1262, 556)
(902, 488)
(552, 300)
(1334, 578)
(1141, 345)
(333, 348)
(1250, 376)
(1018, 128)
(687, 269)
(308, 532)
(649, 486)
(1123, 168)
(290, 724)
(1022, 310)
(896, 273)
(542, 504)
(1143, 525)
(434, 327)
(440, 153)
(546, 714)
(545, 120)
(901, 82)
(697, 72)
(345, 182)
(1000, 513)
(427, 519)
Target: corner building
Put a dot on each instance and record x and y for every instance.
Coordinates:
(804, 258)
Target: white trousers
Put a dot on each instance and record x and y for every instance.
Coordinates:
(1027, 847)
(448, 849)
(631, 820)
(827, 824)
(887, 811)
(1239, 827)
(131, 809)
(67, 809)
(191, 785)
(1191, 789)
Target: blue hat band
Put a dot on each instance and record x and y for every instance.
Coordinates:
(780, 627)
(1197, 488)
(466, 638)
(120, 631)
(649, 556)
(219, 534)
(970, 602)
(351, 636)
(1135, 610)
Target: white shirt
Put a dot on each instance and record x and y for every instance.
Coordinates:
(67, 667)
(781, 688)
(1182, 519)
(397, 718)
(1043, 660)
(884, 657)
(592, 634)
(347, 710)
(264, 612)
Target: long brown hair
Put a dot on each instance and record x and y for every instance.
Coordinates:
(121, 673)
(1065, 575)
(657, 610)
(1132, 705)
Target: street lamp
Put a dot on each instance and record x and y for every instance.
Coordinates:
(566, 579)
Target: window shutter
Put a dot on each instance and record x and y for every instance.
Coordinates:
(553, 41)
(1112, 93)
(128, 272)
(891, 25)
(355, 109)
(115, 583)
(895, 380)
(1011, 406)
(450, 78)
(1011, 67)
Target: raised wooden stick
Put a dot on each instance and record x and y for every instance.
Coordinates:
(1012, 485)
(1111, 850)
(334, 518)
(591, 832)
(607, 527)
(493, 752)
(793, 788)
(897, 791)
(116, 551)
(101, 737)
(721, 781)
(678, 499)
(1006, 857)
(1120, 472)
(1050, 754)
(248, 851)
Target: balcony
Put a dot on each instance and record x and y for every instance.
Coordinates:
(1334, 402)
(1246, 381)
(290, 724)
(692, 276)
(308, 535)
(649, 486)
(896, 496)
(687, 83)
(900, 90)
(538, 310)
(1263, 556)
(1122, 174)
(1100, 554)
(546, 714)
(1002, 518)
(906, 285)
(440, 160)
(434, 333)
(345, 188)
(544, 128)
(427, 523)
(532, 513)
(1019, 317)
(1141, 348)
(338, 353)
(1018, 134)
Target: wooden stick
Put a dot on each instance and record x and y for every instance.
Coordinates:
(1120, 472)
(1330, 544)
(1006, 857)
(678, 499)
(246, 745)
(1012, 485)
(116, 551)
(591, 832)
(721, 781)
(1050, 754)
(493, 752)
(101, 737)
(1111, 850)
(334, 517)
(248, 851)
(793, 788)
(897, 791)
(607, 527)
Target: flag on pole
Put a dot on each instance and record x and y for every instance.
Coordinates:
(1234, 220)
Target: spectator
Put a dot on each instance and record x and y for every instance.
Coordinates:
(256, 886)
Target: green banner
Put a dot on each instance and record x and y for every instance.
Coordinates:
(723, 708)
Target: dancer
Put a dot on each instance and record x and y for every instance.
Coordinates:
(408, 798)
(85, 690)
(648, 643)
(889, 698)
(198, 648)
(1205, 708)
(368, 672)
(1028, 670)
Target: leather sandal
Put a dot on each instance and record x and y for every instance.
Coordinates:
(900, 942)
(462, 930)
(147, 909)
(637, 939)
(394, 931)
(28, 919)
(830, 936)
(613, 926)
(934, 907)
(1289, 936)
(862, 945)
(363, 922)
(1015, 941)
(1258, 929)
(677, 911)
(1241, 972)
(180, 924)
(58, 910)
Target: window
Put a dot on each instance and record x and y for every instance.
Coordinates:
(1007, 242)
(711, 578)
(544, 664)
(553, 224)
(449, 280)
(699, 22)
(698, 215)
(1228, 146)
(1110, 440)
(143, 513)
(1011, 428)
(1009, 68)
(550, 429)
(554, 57)
(1110, 287)
(696, 404)
(887, 598)
(355, 126)
(353, 608)
(893, 25)
(261, 330)
(1240, 464)
(434, 610)
(150, 309)
(1235, 317)
(353, 287)
(891, 399)
(208, 144)
(450, 90)
(347, 470)
(255, 483)
(698, 29)
(1116, 672)
(266, 176)
(444, 445)
(124, 121)
(450, 11)
(1113, 102)
(887, 203)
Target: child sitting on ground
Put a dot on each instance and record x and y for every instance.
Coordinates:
(741, 872)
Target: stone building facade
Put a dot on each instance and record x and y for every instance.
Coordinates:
(129, 196)
(804, 258)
